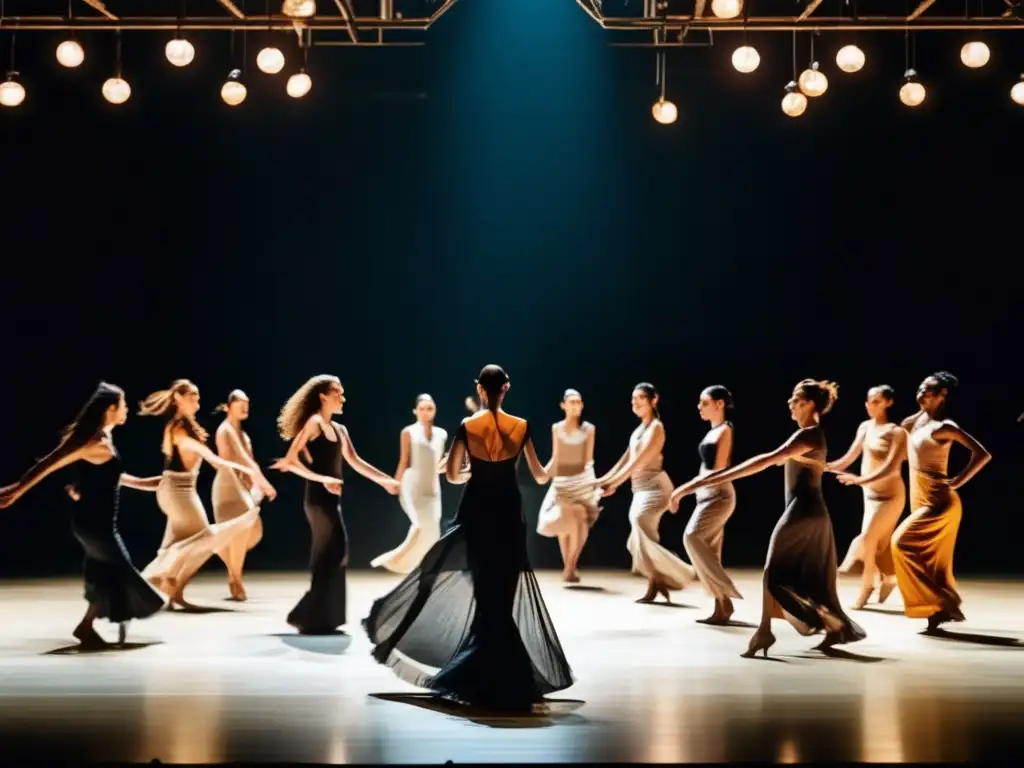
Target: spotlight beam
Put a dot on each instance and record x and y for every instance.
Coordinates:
(98, 6)
(345, 9)
(921, 8)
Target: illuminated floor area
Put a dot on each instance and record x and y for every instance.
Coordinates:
(654, 686)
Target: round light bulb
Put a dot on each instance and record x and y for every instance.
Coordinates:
(746, 59)
(850, 58)
(12, 93)
(1017, 92)
(975, 54)
(70, 54)
(233, 92)
(726, 9)
(912, 93)
(270, 61)
(298, 9)
(794, 103)
(812, 81)
(665, 112)
(116, 90)
(179, 52)
(299, 85)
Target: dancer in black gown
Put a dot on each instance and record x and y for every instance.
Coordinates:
(306, 421)
(470, 623)
(800, 574)
(114, 590)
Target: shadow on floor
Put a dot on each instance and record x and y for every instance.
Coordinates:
(78, 650)
(333, 644)
(556, 711)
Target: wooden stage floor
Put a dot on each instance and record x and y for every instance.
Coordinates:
(654, 686)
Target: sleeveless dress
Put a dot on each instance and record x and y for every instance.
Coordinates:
(801, 569)
(706, 530)
(651, 491)
(922, 547)
(111, 582)
(573, 488)
(420, 497)
(884, 500)
(232, 492)
(323, 608)
(470, 623)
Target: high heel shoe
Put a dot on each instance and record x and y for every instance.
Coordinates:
(759, 642)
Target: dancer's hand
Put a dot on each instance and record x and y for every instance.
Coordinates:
(392, 486)
(831, 467)
(71, 491)
(8, 495)
(673, 503)
(281, 465)
(847, 479)
(267, 489)
(606, 490)
(334, 487)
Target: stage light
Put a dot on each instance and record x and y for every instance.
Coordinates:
(299, 85)
(794, 103)
(912, 93)
(813, 82)
(850, 58)
(116, 90)
(1017, 92)
(70, 54)
(746, 59)
(975, 54)
(270, 60)
(179, 52)
(298, 9)
(12, 93)
(665, 112)
(726, 9)
(233, 92)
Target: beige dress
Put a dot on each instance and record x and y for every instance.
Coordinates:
(232, 493)
(572, 484)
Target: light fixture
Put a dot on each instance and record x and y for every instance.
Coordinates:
(665, 112)
(975, 54)
(179, 52)
(70, 54)
(850, 58)
(726, 9)
(298, 9)
(912, 93)
(270, 60)
(233, 92)
(1017, 92)
(746, 59)
(794, 103)
(116, 90)
(812, 81)
(299, 84)
(12, 93)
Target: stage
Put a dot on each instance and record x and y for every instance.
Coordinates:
(654, 686)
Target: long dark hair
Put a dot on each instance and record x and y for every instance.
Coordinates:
(492, 380)
(92, 418)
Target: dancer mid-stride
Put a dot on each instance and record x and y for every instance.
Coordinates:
(234, 495)
(884, 445)
(642, 465)
(706, 530)
(570, 506)
(189, 539)
(114, 590)
(922, 547)
(306, 420)
(422, 459)
(800, 575)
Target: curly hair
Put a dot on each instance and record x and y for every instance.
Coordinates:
(303, 404)
(163, 402)
(822, 393)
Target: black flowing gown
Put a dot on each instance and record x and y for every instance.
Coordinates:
(111, 582)
(323, 608)
(470, 623)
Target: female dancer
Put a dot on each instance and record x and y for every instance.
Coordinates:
(422, 458)
(642, 465)
(570, 506)
(189, 539)
(800, 575)
(114, 590)
(705, 531)
(923, 545)
(884, 445)
(306, 420)
(233, 496)
(470, 622)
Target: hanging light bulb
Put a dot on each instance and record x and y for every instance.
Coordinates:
(664, 111)
(70, 54)
(746, 59)
(812, 81)
(233, 92)
(794, 103)
(1017, 92)
(116, 90)
(912, 93)
(975, 54)
(12, 93)
(270, 60)
(298, 9)
(850, 58)
(726, 9)
(299, 85)
(179, 52)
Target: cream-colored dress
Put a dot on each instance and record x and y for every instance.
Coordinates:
(232, 494)
(572, 484)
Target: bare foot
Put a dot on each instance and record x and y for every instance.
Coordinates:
(237, 591)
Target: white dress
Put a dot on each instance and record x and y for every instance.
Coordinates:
(420, 497)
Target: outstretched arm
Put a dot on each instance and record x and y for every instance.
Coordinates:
(58, 458)
(851, 455)
(979, 456)
(187, 443)
(536, 468)
(891, 466)
(140, 483)
(613, 480)
(364, 467)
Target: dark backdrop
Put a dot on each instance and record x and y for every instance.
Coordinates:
(502, 195)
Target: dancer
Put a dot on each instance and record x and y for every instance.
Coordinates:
(189, 539)
(422, 458)
(884, 445)
(642, 465)
(233, 496)
(470, 623)
(800, 574)
(306, 420)
(570, 506)
(706, 530)
(114, 590)
(923, 545)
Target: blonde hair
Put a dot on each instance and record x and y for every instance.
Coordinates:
(163, 402)
(302, 405)
(822, 393)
